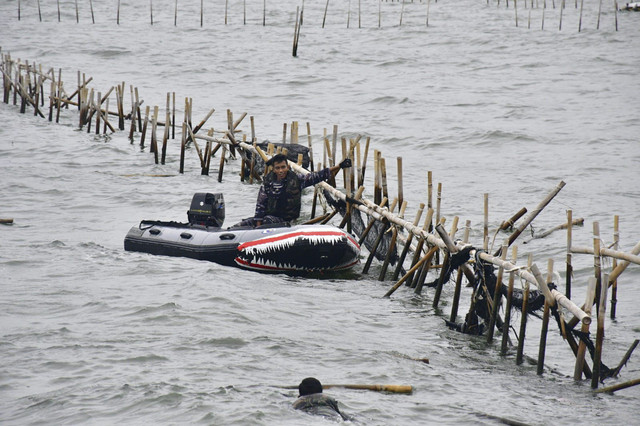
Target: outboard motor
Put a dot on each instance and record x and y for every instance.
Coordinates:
(206, 209)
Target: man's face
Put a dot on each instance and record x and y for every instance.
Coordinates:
(281, 169)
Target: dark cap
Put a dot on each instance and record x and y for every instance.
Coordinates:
(309, 386)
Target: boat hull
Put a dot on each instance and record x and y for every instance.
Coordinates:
(289, 249)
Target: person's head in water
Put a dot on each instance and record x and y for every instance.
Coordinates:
(280, 165)
(309, 386)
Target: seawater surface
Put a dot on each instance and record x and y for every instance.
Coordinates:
(91, 334)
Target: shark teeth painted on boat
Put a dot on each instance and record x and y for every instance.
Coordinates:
(299, 250)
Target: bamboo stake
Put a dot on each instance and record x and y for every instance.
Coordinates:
(383, 177)
(626, 357)
(545, 322)
(421, 242)
(400, 191)
(614, 284)
(154, 140)
(364, 163)
(445, 261)
(597, 261)
(411, 271)
(222, 158)
(456, 295)
(295, 32)
(579, 366)
(334, 146)
(378, 241)
(407, 245)
(165, 136)
(569, 272)
(595, 376)
(310, 146)
(507, 314)
(523, 325)
(497, 297)
(372, 221)
(485, 226)
(392, 246)
(144, 126)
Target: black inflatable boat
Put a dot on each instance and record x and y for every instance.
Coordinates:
(268, 248)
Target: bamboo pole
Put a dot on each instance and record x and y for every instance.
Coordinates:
(165, 136)
(334, 145)
(507, 314)
(614, 284)
(427, 257)
(534, 213)
(378, 241)
(421, 242)
(595, 376)
(497, 296)
(445, 261)
(523, 325)
(400, 191)
(485, 224)
(627, 257)
(569, 271)
(154, 140)
(222, 159)
(383, 177)
(619, 386)
(545, 321)
(144, 126)
(296, 32)
(458, 289)
(582, 347)
(405, 389)
(508, 224)
(392, 246)
(364, 163)
(407, 245)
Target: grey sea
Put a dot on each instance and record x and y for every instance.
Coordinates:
(91, 334)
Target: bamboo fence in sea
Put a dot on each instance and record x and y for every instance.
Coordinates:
(424, 249)
(538, 12)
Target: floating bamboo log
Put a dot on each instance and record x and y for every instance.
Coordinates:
(619, 386)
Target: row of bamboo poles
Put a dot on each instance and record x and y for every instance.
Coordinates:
(430, 247)
(544, 5)
(226, 12)
(357, 14)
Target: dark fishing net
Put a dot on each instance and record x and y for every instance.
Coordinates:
(358, 226)
(484, 287)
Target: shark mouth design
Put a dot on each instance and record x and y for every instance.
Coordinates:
(319, 248)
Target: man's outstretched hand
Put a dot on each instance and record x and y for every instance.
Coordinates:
(346, 163)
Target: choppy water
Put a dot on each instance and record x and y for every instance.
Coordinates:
(91, 334)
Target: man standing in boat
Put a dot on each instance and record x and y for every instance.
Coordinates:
(280, 196)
